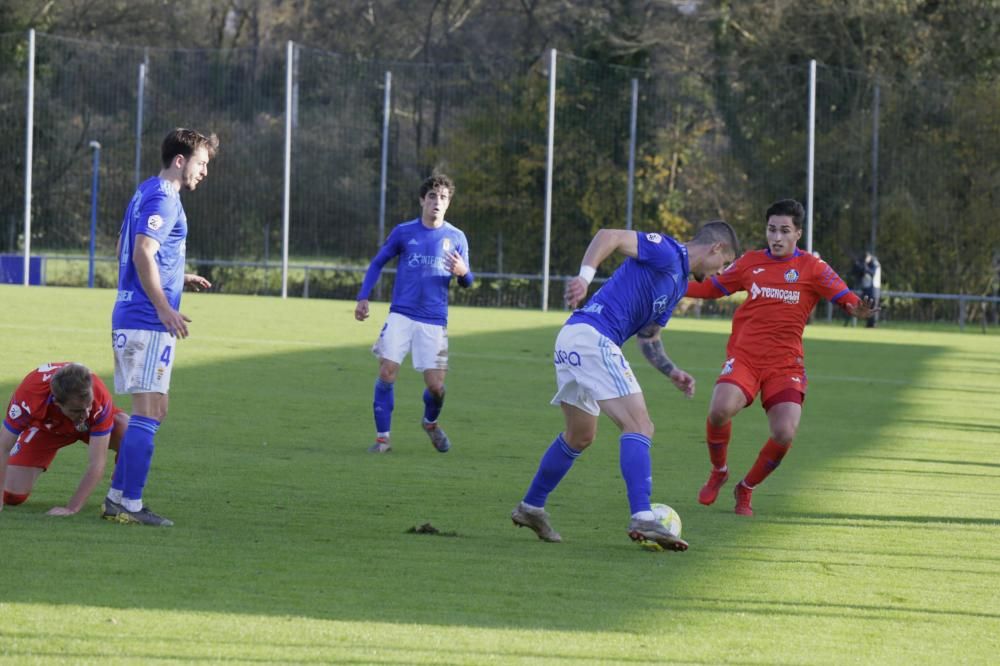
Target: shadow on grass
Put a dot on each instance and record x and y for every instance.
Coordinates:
(280, 510)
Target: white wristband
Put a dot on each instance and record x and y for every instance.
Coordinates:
(587, 273)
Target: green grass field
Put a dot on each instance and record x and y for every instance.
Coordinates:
(875, 542)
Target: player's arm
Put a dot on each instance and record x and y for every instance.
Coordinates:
(388, 250)
(604, 243)
(648, 339)
(706, 289)
(97, 457)
(457, 263)
(833, 288)
(144, 259)
(7, 441)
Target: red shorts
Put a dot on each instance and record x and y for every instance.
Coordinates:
(784, 382)
(37, 448)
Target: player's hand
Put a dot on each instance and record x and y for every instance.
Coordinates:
(865, 309)
(683, 381)
(174, 322)
(60, 511)
(196, 282)
(576, 291)
(361, 310)
(454, 264)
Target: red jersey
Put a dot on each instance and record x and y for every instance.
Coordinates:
(32, 406)
(781, 293)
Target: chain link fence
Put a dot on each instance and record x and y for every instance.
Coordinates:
(908, 169)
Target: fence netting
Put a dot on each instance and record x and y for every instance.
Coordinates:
(907, 168)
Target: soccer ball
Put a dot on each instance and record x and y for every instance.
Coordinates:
(669, 519)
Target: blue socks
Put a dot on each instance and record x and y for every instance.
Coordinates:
(382, 405)
(135, 457)
(554, 465)
(637, 470)
(432, 406)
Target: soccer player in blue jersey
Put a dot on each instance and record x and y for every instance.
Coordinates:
(593, 376)
(146, 322)
(430, 252)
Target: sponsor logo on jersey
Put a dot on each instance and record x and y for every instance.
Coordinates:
(154, 222)
(791, 275)
(564, 357)
(727, 368)
(446, 244)
(596, 308)
(415, 260)
(660, 304)
(125, 295)
(787, 295)
(654, 238)
(758, 270)
(14, 412)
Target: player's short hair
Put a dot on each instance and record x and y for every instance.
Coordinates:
(787, 208)
(436, 181)
(717, 231)
(72, 382)
(184, 142)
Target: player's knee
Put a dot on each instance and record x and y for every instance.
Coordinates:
(646, 428)
(13, 499)
(387, 374)
(783, 434)
(579, 440)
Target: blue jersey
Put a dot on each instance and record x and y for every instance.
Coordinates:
(641, 291)
(421, 288)
(155, 211)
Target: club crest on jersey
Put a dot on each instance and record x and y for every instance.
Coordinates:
(654, 238)
(14, 412)
(446, 244)
(791, 275)
(154, 222)
(660, 305)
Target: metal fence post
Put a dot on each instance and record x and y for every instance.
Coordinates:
(631, 153)
(287, 196)
(548, 180)
(811, 159)
(28, 153)
(384, 174)
(93, 211)
(140, 109)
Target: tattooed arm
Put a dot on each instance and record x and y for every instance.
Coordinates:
(651, 346)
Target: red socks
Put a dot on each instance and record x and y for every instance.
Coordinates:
(718, 442)
(767, 461)
(13, 499)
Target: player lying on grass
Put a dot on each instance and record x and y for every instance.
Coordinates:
(764, 354)
(593, 376)
(54, 406)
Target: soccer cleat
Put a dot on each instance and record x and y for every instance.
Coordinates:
(710, 490)
(381, 445)
(654, 530)
(742, 494)
(119, 514)
(438, 438)
(110, 510)
(536, 520)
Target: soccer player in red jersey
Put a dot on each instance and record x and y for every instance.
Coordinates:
(54, 406)
(764, 354)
